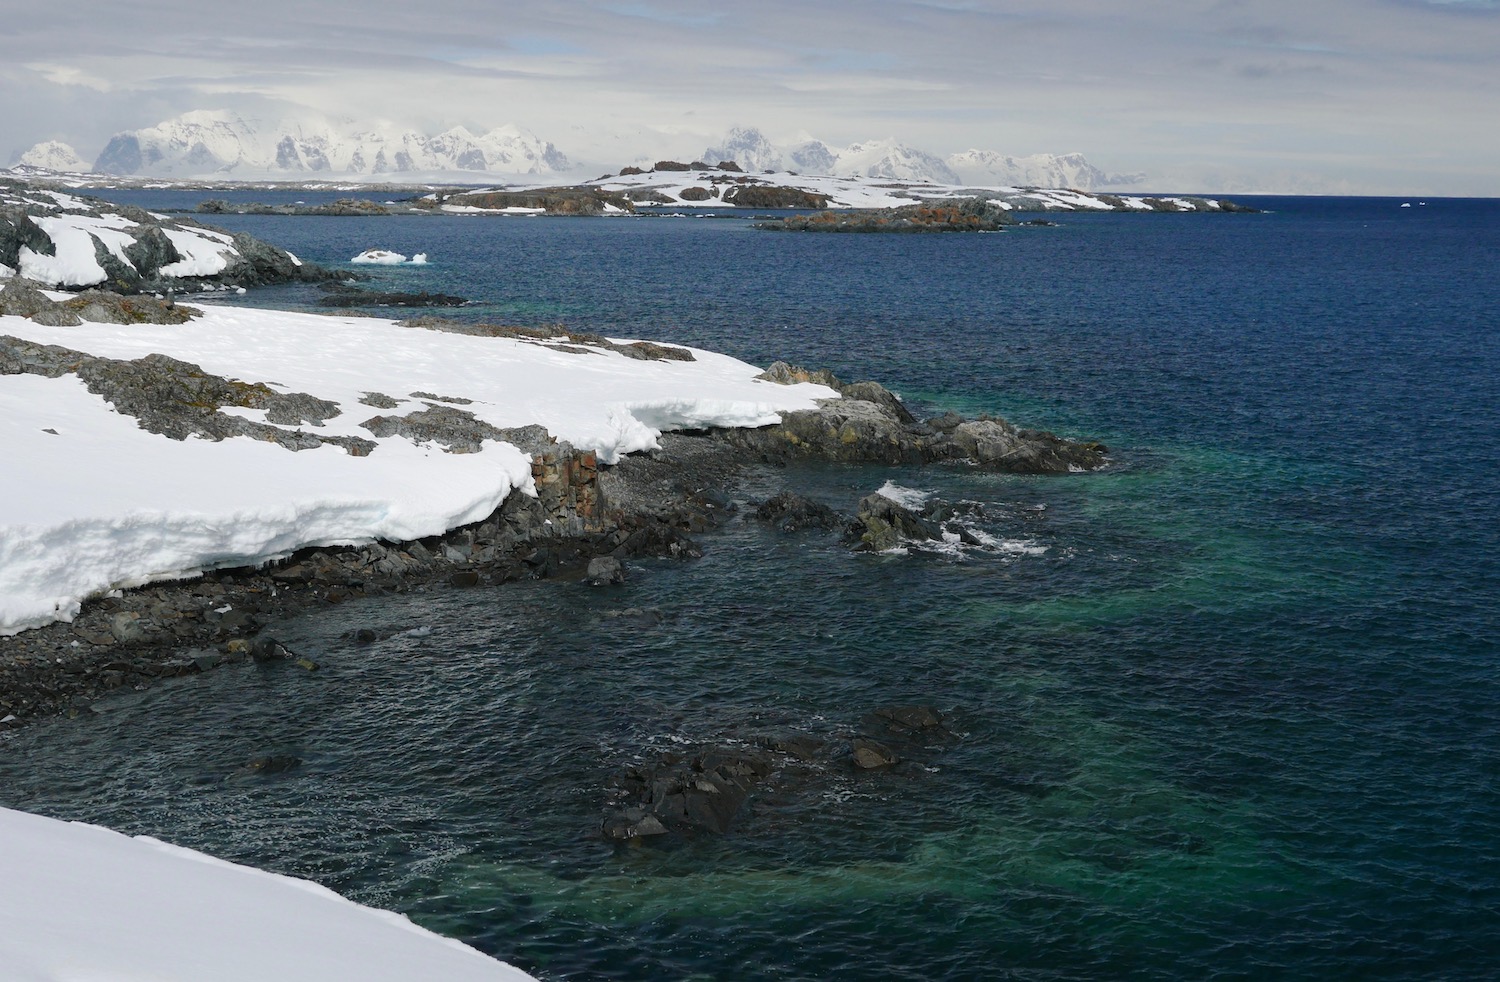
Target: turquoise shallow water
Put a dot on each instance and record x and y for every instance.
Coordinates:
(1228, 709)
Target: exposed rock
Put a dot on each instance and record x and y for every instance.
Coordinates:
(149, 253)
(871, 425)
(955, 215)
(881, 524)
(178, 399)
(556, 201)
(266, 648)
(379, 400)
(869, 755)
(695, 194)
(24, 298)
(605, 571)
(792, 512)
(20, 297)
(768, 196)
(687, 795)
(671, 165)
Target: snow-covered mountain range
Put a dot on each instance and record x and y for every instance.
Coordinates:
(204, 143)
(226, 145)
(891, 160)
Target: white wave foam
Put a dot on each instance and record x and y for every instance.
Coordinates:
(911, 498)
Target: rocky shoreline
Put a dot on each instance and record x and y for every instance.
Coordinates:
(586, 521)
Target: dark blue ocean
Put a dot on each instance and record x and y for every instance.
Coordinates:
(1228, 709)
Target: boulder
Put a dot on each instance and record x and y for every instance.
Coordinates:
(881, 524)
(792, 512)
(605, 571)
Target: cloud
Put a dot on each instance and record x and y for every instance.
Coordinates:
(69, 75)
(1134, 86)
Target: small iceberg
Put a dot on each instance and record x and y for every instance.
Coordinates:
(384, 257)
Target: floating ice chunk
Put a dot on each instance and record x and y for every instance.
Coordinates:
(420, 259)
(379, 257)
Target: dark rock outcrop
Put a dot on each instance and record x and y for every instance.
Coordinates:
(870, 425)
(149, 254)
(768, 196)
(960, 215)
(714, 788)
(792, 512)
(881, 524)
(556, 201)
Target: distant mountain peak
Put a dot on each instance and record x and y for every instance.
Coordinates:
(53, 155)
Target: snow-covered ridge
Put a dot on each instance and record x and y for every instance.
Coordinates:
(707, 188)
(204, 143)
(890, 159)
(83, 902)
(98, 503)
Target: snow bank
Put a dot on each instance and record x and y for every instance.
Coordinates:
(73, 237)
(81, 902)
(204, 252)
(94, 503)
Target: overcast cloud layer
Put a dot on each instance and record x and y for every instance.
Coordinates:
(1332, 96)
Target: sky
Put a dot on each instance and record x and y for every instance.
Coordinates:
(1281, 96)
